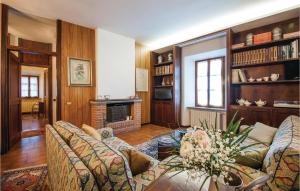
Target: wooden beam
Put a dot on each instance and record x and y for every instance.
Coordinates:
(58, 68)
(4, 81)
(30, 51)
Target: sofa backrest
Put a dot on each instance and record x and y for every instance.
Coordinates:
(65, 170)
(282, 159)
(109, 167)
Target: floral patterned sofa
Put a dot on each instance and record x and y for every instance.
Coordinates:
(77, 161)
(281, 160)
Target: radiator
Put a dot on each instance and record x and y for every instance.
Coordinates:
(210, 117)
(27, 104)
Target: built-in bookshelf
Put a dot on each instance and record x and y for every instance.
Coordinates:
(251, 69)
(166, 79)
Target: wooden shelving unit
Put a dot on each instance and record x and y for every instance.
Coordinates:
(286, 88)
(264, 63)
(267, 82)
(262, 45)
(166, 112)
(163, 75)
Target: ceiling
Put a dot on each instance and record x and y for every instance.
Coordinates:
(31, 27)
(156, 23)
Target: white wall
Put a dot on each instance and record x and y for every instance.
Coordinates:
(199, 51)
(115, 65)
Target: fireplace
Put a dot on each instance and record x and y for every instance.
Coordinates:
(120, 115)
(118, 112)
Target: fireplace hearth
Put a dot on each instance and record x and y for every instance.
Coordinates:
(120, 115)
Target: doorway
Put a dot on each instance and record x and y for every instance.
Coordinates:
(34, 86)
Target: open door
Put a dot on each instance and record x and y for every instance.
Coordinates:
(14, 123)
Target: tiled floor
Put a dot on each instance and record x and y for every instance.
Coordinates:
(32, 150)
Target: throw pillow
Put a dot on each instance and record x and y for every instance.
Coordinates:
(138, 162)
(91, 131)
(263, 133)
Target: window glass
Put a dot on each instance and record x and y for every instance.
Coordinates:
(24, 87)
(33, 87)
(209, 75)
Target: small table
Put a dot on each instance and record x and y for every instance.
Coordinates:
(180, 182)
(169, 143)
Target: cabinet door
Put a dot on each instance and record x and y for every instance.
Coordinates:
(280, 114)
(157, 113)
(241, 112)
(168, 113)
(262, 115)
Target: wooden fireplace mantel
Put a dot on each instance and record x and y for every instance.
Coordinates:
(111, 101)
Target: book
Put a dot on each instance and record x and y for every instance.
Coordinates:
(242, 75)
(235, 76)
(262, 38)
(291, 35)
(240, 45)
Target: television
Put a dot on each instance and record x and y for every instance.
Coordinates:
(163, 93)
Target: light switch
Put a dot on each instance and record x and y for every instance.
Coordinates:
(69, 103)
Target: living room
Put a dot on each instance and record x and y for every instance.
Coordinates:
(135, 96)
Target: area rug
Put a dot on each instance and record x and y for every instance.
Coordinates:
(149, 148)
(25, 179)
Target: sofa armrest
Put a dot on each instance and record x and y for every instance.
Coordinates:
(106, 132)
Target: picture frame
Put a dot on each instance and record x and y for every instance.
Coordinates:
(79, 72)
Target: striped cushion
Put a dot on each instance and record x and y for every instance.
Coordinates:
(282, 160)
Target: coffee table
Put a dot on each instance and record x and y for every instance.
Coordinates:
(180, 182)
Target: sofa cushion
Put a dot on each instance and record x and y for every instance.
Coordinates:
(282, 159)
(137, 161)
(105, 132)
(91, 131)
(248, 174)
(254, 155)
(109, 167)
(66, 130)
(263, 133)
(119, 144)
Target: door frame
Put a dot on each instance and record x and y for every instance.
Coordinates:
(50, 78)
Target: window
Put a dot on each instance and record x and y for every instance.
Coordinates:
(210, 83)
(30, 86)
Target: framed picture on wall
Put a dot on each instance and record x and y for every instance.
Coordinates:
(80, 72)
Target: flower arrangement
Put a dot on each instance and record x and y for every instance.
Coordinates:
(211, 152)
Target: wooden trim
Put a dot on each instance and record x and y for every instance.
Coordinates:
(30, 51)
(208, 84)
(58, 68)
(228, 64)
(4, 80)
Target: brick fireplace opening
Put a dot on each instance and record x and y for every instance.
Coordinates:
(118, 112)
(120, 115)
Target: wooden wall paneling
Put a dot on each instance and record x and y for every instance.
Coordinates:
(4, 79)
(77, 42)
(142, 60)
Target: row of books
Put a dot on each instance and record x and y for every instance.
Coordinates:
(274, 53)
(168, 69)
(238, 75)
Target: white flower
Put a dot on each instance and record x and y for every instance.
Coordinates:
(186, 149)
